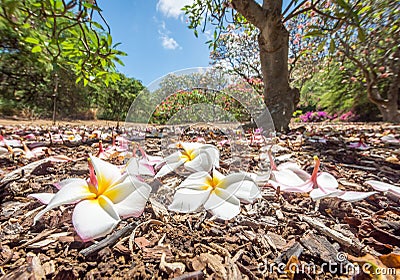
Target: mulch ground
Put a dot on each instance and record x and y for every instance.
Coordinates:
(268, 236)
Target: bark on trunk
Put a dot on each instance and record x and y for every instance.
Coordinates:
(273, 40)
(389, 107)
(280, 99)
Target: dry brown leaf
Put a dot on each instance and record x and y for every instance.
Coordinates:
(374, 268)
(391, 260)
(175, 267)
(142, 242)
(292, 266)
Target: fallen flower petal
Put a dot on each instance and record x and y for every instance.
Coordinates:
(94, 218)
(291, 178)
(219, 194)
(100, 201)
(44, 198)
(143, 165)
(352, 196)
(360, 145)
(383, 187)
(223, 204)
(194, 157)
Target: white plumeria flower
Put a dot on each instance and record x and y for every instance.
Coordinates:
(327, 186)
(384, 187)
(194, 157)
(219, 194)
(101, 201)
(290, 178)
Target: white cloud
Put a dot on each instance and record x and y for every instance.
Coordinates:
(167, 41)
(172, 8)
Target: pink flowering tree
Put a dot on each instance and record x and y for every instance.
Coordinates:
(372, 48)
(268, 18)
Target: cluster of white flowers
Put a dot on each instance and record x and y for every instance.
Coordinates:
(112, 192)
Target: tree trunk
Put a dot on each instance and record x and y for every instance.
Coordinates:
(280, 99)
(273, 41)
(389, 107)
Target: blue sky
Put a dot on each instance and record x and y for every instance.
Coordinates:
(155, 36)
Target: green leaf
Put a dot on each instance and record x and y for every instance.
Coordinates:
(109, 40)
(344, 5)
(91, 6)
(332, 46)
(361, 35)
(36, 49)
(32, 40)
(314, 33)
(101, 73)
(196, 33)
(93, 38)
(364, 9)
(321, 46)
(119, 61)
(116, 45)
(97, 25)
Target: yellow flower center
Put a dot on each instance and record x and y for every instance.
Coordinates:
(187, 155)
(212, 182)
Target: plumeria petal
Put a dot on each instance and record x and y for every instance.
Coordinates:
(169, 167)
(302, 188)
(69, 193)
(223, 204)
(138, 166)
(241, 186)
(66, 182)
(326, 181)
(201, 162)
(292, 166)
(153, 160)
(287, 177)
(359, 146)
(188, 200)
(94, 218)
(107, 174)
(199, 180)
(119, 191)
(44, 198)
(133, 205)
(352, 196)
(258, 178)
(212, 152)
(190, 146)
(174, 157)
(318, 193)
(383, 187)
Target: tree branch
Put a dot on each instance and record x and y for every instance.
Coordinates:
(252, 11)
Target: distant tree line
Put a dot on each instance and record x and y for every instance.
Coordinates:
(54, 56)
